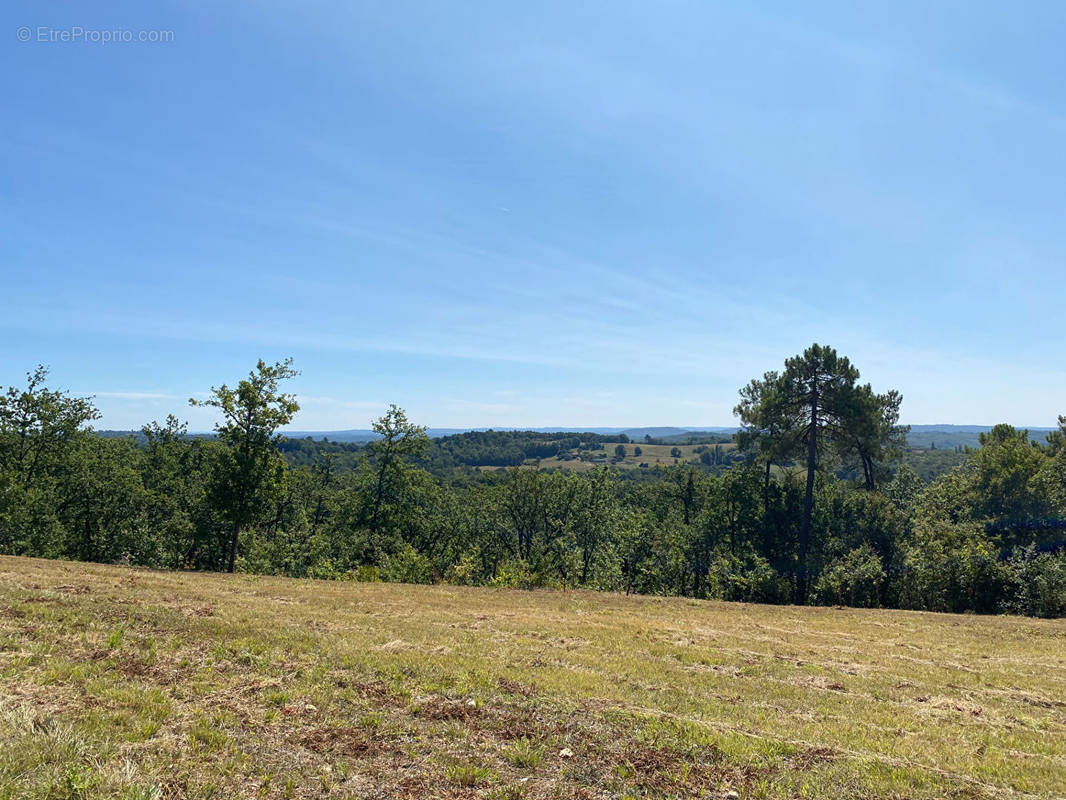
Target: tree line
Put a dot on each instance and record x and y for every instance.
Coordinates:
(816, 509)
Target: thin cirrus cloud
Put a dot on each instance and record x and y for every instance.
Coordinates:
(420, 206)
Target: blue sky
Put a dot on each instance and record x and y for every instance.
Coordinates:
(535, 213)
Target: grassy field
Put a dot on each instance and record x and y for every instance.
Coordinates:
(135, 684)
(651, 454)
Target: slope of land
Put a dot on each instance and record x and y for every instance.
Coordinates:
(137, 684)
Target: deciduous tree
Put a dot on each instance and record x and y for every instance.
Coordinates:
(250, 466)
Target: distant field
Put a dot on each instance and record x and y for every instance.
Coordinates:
(119, 683)
(651, 454)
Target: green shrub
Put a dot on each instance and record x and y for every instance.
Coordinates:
(407, 565)
(853, 579)
(325, 569)
(950, 567)
(1038, 581)
(514, 574)
(364, 573)
(466, 571)
(749, 578)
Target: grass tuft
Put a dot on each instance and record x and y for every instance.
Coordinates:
(467, 775)
(524, 753)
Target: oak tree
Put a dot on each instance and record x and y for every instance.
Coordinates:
(250, 465)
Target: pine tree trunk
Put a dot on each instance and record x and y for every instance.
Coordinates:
(868, 472)
(808, 498)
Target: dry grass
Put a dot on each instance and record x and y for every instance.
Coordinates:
(136, 684)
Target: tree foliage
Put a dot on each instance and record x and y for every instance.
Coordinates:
(812, 409)
(763, 526)
(248, 471)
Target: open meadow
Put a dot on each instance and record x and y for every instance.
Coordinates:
(651, 455)
(130, 683)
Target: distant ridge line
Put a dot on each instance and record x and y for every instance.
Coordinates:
(921, 436)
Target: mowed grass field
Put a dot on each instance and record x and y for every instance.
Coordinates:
(129, 683)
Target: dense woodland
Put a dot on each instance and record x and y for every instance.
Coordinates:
(817, 503)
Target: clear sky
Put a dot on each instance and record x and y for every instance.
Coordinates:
(503, 213)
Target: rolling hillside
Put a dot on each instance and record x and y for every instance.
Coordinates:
(120, 683)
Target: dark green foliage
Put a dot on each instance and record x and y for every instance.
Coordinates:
(504, 448)
(931, 464)
(1036, 583)
(813, 411)
(986, 536)
(306, 452)
(854, 578)
(44, 449)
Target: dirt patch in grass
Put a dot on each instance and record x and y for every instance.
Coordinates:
(514, 687)
(808, 757)
(439, 708)
(346, 741)
(73, 589)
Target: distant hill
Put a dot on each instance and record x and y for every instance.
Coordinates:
(366, 435)
(636, 434)
(922, 437)
(949, 437)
